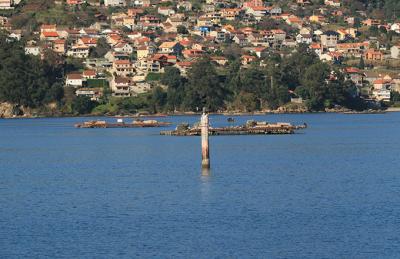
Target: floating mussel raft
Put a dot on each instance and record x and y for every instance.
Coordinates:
(250, 128)
(121, 124)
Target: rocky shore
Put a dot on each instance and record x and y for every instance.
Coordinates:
(8, 110)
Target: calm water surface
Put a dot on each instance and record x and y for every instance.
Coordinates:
(331, 191)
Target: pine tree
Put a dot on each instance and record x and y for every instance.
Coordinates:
(361, 64)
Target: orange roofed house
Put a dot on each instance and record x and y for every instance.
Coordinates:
(121, 86)
(89, 74)
(230, 14)
(48, 27)
(253, 3)
(373, 54)
(371, 22)
(74, 2)
(171, 48)
(123, 67)
(88, 41)
(78, 51)
(59, 46)
(355, 49)
(382, 89)
(49, 35)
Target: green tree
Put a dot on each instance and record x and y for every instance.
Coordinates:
(253, 80)
(294, 66)
(361, 64)
(26, 80)
(246, 102)
(182, 29)
(171, 77)
(282, 93)
(83, 105)
(302, 92)
(392, 9)
(314, 79)
(102, 47)
(159, 99)
(395, 96)
(204, 87)
(55, 93)
(373, 31)
(176, 87)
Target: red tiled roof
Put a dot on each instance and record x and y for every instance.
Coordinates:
(49, 34)
(352, 70)
(89, 73)
(121, 80)
(218, 58)
(74, 76)
(380, 81)
(87, 41)
(122, 62)
(60, 41)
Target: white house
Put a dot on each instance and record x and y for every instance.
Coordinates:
(123, 48)
(32, 50)
(93, 93)
(6, 4)
(141, 87)
(166, 11)
(74, 80)
(121, 87)
(114, 2)
(78, 51)
(275, 11)
(381, 94)
(304, 38)
(395, 27)
(335, 3)
(257, 11)
(395, 51)
(15, 35)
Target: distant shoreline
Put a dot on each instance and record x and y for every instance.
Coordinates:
(393, 109)
(160, 115)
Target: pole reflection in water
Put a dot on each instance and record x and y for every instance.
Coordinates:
(205, 173)
(205, 184)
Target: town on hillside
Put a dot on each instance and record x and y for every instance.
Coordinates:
(121, 49)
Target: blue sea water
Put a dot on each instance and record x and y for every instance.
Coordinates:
(330, 191)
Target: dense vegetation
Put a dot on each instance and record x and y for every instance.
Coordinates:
(30, 14)
(265, 86)
(269, 84)
(27, 80)
(383, 9)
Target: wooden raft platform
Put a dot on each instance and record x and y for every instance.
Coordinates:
(134, 124)
(264, 129)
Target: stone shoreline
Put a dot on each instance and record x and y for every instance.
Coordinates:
(29, 116)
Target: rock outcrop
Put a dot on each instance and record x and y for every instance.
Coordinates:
(9, 110)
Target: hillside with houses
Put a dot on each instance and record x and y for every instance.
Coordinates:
(120, 56)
